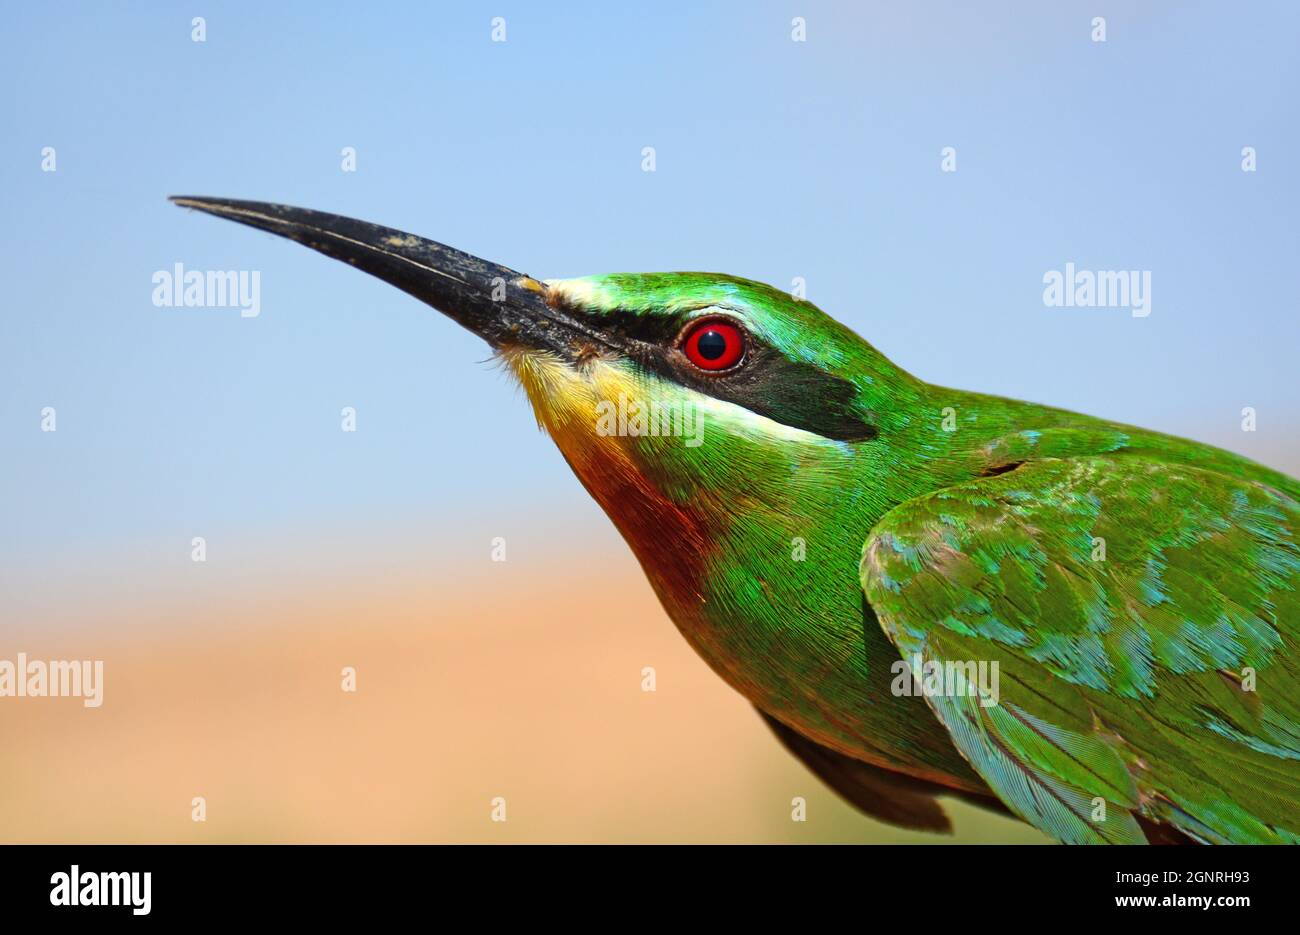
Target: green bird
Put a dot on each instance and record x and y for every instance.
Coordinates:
(924, 591)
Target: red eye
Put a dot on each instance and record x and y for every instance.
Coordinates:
(714, 345)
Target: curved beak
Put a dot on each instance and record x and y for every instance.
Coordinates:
(498, 304)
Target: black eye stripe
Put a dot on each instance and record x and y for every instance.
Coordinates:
(795, 394)
(766, 382)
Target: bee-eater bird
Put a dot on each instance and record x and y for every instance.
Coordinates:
(924, 591)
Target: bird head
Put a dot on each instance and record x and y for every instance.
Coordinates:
(691, 405)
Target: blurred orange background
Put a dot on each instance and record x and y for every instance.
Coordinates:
(475, 679)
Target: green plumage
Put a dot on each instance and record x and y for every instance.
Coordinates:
(1122, 673)
(1137, 591)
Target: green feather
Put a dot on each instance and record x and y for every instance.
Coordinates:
(1126, 691)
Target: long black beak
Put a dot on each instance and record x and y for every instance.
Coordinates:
(495, 302)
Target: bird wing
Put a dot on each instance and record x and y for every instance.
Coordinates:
(887, 796)
(1143, 617)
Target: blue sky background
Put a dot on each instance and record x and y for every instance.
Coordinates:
(775, 159)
